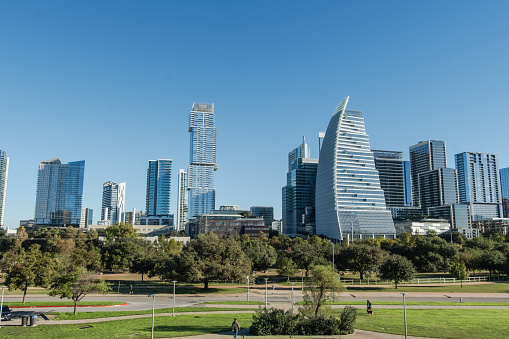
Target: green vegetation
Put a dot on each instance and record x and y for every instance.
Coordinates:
(237, 302)
(165, 327)
(444, 288)
(62, 303)
(426, 303)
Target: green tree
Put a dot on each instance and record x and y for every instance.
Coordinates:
(262, 255)
(396, 268)
(317, 292)
(122, 230)
(24, 268)
(285, 266)
(492, 261)
(207, 258)
(75, 283)
(459, 271)
(361, 258)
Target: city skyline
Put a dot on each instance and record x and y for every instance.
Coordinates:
(69, 67)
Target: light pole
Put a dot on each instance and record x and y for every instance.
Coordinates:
(173, 281)
(248, 289)
(303, 271)
(333, 267)
(292, 296)
(404, 312)
(266, 291)
(2, 303)
(153, 312)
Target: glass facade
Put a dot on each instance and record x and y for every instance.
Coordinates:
(4, 170)
(438, 187)
(425, 156)
(479, 184)
(158, 187)
(202, 160)
(407, 183)
(266, 212)
(504, 187)
(59, 193)
(113, 202)
(392, 176)
(349, 198)
(182, 211)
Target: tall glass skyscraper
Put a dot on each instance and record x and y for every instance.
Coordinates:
(390, 168)
(202, 160)
(349, 198)
(59, 193)
(4, 170)
(182, 211)
(158, 188)
(479, 185)
(113, 202)
(425, 156)
(504, 187)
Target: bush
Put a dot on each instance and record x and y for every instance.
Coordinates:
(278, 322)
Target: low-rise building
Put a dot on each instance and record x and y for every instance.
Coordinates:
(421, 227)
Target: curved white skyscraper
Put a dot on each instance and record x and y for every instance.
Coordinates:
(349, 199)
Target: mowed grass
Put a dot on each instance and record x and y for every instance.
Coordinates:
(236, 302)
(421, 303)
(444, 288)
(63, 303)
(164, 327)
(460, 324)
(108, 314)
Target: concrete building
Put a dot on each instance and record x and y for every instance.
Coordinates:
(113, 203)
(226, 225)
(422, 227)
(183, 202)
(87, 215)
(4, 170)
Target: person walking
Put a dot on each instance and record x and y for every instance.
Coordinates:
(235, 328)
(368, 307)
(131, 289)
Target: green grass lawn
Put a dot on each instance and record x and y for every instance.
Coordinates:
(448, 323)
(107, 314)
(62, 303)
(426, 303)
(237, 302)
(165, 327)
(444, 288)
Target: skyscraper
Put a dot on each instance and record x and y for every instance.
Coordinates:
(158, 187)
(299, 192)
(182, 211)
(425, 156)
(349, 198)
(59, 193)
(504, 187)
(390, 166)
(266, 212)
(87, 215)
(438, 187)
(4, 170)
(113, 202)
(202, 160)
(479, 184)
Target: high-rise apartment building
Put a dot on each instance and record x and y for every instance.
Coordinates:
(349, 199)
(390, 167)
(425, 156)
(438, 187)
(4, 170)
(182, 210)
(59, 193)
(158, 187)
(408, 183)
(266, 212)
(202, 160)
(87, 215)
(299, 192)
(504, 187)
(113, 203)
(479, 184)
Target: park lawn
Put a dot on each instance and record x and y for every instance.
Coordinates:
(166, 289)
(426, 303)
(444, 288)
(235, 302)
(107, 314)
(164, 327)
(63, 303)
(465, 323)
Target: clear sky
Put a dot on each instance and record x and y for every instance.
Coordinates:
(112, 83)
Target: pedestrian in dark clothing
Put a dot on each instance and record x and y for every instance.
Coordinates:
(368, 307)
(235, 327)
(131, 289)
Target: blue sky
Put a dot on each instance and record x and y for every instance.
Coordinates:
(112, 83)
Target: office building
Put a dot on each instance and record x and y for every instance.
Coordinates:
(438, 187)
(59, 193)
(87, 215)
(504, 188)
(407, 183)
(4, 170)
(182, 209)
(202, 160)
(113, 203)
(299, 193)
(158, 187)
(226, 225)
(133, 217)
(422, 227)
(349, 199)
(390, 167)
(479, 184)
(266, 212)
(425, 156)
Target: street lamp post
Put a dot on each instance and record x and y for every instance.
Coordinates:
(292, 296)
(266, 291)
(333, 267)
(404, 312)
(303, 280)
(153, 312)
(173, 281)
(248, 289)
(2, 303)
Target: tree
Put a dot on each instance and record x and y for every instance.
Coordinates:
(207, 258)
(262, 255)
(24, 268)
(121, 230)
(75, 283)
(397, 268)
(492, 261)
(459, 271)
(285, 266)
(323, 282)
(361, 258)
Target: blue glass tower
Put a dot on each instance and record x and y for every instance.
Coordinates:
(4, 169)
(158, 187)
(202, 160)
(349, 199)
(59, 193)
(504, 187)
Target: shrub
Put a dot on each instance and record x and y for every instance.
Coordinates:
(274, 321)
(347, 320)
